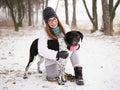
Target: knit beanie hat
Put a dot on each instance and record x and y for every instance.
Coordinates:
(48, 12)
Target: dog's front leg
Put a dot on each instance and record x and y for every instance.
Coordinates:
(63, 77)
(63, 71)
(60, 82)
(41, 59)
(60, 72)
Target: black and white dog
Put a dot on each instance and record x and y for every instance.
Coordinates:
(69, 42)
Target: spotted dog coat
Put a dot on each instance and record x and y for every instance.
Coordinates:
(62, 62)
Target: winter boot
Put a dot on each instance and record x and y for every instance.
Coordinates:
(78, 76)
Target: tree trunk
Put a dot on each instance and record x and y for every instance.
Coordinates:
(20, 9)
(37, 8)
(66, 11)
(29, 13)
(112, 10)
(111, 14)
(15, 12)
(95, 19)
(74, 24)
(106, 18)
(14, 21)
(46, 3)
(43, 4)
(92, 18)
(57, 5)
(16, 27)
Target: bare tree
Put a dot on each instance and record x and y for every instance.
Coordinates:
(74, 24)
(106, 18)
(66, 12)
(112, 11)
(31, 5)
(43, 4)
(108, 15)
(5, 15)
(29, 12)
(57, 5)
(16, 8)
(46, 3)
(93, 18)
(37, 8)
(19, 9)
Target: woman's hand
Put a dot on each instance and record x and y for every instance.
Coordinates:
(62, 54)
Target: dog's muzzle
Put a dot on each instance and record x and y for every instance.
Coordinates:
(74, 47)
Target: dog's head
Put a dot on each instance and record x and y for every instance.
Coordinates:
(73, 38)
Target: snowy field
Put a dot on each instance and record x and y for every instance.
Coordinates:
(99, 56)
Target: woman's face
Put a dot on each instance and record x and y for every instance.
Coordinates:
(53, 22)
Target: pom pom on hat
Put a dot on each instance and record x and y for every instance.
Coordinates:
(48, 12)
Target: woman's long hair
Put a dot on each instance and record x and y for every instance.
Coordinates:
(51, 34)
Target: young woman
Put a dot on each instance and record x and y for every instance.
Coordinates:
(54, 30)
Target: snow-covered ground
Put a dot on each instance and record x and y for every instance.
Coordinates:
(99, 56)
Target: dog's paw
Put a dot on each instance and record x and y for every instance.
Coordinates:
(61, 81)
(39, 71)
(25, 77)
(64, 80)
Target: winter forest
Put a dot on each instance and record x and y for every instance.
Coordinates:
(98, 20)
(19, 13)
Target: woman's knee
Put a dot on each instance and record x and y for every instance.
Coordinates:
(51, 71)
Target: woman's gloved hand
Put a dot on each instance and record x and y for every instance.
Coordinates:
(62, 54)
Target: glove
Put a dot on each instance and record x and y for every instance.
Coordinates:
(62, 54)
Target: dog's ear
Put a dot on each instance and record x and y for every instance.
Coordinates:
(81, 35)
(67, 35)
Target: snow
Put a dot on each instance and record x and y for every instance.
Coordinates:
(99, 56)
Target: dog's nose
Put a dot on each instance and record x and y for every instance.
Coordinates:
(74, 43)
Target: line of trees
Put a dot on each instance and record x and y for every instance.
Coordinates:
(20, 10)
(108, 15)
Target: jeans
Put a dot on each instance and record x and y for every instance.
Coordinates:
(52, 69)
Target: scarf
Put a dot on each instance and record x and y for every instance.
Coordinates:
(56, 31)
